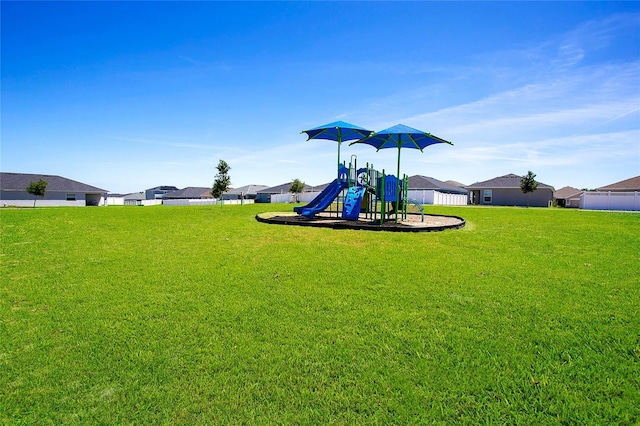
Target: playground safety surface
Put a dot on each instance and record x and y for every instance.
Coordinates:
(413, 222)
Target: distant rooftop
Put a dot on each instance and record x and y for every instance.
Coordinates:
(20, 181)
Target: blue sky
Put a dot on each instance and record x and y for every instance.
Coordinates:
(130, 95)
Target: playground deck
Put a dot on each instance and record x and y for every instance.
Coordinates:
(412, 223)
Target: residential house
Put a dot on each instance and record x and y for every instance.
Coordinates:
(623, 195)
(281, 193)
(157, 192)
(134, 198)
(567, 197)
(627, 185)
(455, 183)
(428, 190)
(247, 192)
(60, 191)
(506, 191)
(190, 192)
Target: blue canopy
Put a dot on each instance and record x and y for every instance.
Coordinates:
(401, 136)
(338, 131)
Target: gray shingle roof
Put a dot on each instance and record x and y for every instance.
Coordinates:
(20, 181)
(190, 192)
(567, 192)
(163, 188)
(138, 196)
(455, 183)
(507, 181)
(631, 184)
(247, 189)
(419, 182)
(284, 188)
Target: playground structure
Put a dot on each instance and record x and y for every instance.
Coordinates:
(362, 191)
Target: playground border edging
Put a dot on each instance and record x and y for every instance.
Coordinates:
(336, 223)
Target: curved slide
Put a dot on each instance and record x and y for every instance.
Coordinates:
(323, 200)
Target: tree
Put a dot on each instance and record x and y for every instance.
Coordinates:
(528, 184)
(223, 181)
(297, 186)
(37, 189)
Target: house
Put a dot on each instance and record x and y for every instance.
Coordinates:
(157, 192)
(190, 192)
(134, 198)
(281, 193)
(428, 190)
(419, 182)
(505, 191)
(247, 192)
(567, 197)
(627, 185)
(60, 191)
(623, 195)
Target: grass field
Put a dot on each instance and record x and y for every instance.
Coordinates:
(202, 315)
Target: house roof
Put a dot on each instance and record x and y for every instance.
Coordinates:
(284, 188)
(418, 182)
(631, 184)
(567, 192)
(134, 196)
(455, 183)
(247, 189)
(163, 188)
(509, 181)
(189, 192)
(20, 181)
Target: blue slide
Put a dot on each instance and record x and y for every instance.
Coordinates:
(323, 200)
(353, 203)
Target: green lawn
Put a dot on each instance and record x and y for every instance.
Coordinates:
(202, 315)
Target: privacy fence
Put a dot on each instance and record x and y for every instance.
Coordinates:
(203, 202)
(419, 196)
(610, 201)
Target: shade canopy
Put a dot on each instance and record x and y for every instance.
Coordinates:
(401, 136)
(338, 131)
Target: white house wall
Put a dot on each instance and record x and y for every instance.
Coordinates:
(52, 199)
(629, 201)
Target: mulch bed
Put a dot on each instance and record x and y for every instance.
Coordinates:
(413, 222)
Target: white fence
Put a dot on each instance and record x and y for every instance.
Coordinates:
(42, 203)
(610, 201)
(142, 202)
(120, 201)
(421, 196)
(203, 202)
(289, 197)
(429, 196)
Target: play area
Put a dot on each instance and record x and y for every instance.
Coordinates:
(365, 198)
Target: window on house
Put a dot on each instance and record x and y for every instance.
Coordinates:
(71, 197)
(487, 195)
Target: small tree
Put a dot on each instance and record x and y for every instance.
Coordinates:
(528, 184)
(37, 189)
(297, 186)
(223, 181)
